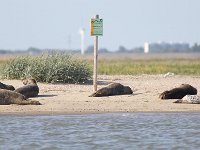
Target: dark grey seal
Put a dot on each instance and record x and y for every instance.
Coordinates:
(30, 88)
(7, 87)
(113, 89)
(8, 97)
(179, 92)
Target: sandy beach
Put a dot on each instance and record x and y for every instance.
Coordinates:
(73, 98)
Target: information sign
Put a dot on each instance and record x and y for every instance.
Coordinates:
(96, 27)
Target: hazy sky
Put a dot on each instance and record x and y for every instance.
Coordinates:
(56, 23)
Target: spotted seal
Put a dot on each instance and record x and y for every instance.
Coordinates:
(189, 99)
(8, 97)
(7, 87)
(179, 92)
(30, 88)
(112, 89)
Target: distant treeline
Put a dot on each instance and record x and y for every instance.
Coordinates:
(153, 48)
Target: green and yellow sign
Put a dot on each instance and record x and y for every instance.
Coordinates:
(96, 27)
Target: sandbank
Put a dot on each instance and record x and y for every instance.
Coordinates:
(73, 98)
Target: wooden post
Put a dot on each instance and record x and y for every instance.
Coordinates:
(95, 60)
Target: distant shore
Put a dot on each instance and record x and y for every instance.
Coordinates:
(73, 98)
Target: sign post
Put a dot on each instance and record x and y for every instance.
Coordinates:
(96, 30)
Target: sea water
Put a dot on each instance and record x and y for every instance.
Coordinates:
(112, 131)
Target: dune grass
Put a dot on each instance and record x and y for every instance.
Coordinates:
(155, 66)
(67, 69)
(54, 67)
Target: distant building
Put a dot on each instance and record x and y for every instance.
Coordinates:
(146, 47)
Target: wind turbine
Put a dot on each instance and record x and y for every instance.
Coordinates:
(82, 33)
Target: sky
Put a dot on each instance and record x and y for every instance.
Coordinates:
(55, 24)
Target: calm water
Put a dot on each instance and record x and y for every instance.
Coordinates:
(101, 131)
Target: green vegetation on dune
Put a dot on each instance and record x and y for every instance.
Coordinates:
(54, 67)
(65, 68)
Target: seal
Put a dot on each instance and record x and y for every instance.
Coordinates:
(189, 99)
(30, 88)
(112, 89)
(179, 92)
(8, 97)
(7, 87)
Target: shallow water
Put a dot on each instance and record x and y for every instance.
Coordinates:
(101, 131)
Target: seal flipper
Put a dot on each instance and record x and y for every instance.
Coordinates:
(29, 102)
(93, 94)
(97, 94)
(178, 101)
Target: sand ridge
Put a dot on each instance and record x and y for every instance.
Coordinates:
(73, 98)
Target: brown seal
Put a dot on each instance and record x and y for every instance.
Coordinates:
(8, 97)
(179, 92)
(30, 88)
(112, 89)
(7, 87)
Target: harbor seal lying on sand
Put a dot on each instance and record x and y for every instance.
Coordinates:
(112, 89)
(7, 87)
(30, 88)
(179, 93)
(189, 99)
(8, 97)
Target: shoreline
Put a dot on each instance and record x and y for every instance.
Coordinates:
(72, 99)
(21, 114)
